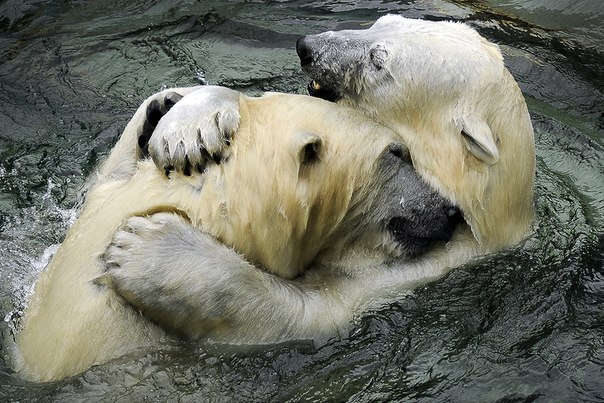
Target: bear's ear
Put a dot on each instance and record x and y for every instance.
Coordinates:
(308, 148)
(478, 139)
(378, 55)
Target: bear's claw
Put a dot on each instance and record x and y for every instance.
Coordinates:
(156, 109)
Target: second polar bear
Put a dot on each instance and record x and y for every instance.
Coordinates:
(471, 134)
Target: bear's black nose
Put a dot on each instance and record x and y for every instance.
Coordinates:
(303, 51)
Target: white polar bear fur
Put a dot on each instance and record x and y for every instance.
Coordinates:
(428, 82)
(74, 321)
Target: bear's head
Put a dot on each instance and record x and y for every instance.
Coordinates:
(305, 176)
(444, 89)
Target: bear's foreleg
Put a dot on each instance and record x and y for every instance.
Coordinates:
(187, 282)
(134, 142)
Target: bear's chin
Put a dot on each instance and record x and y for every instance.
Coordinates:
(319, 91)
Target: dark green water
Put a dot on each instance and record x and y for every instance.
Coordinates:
(524, 325)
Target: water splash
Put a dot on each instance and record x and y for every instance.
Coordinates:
(25, 290)
(48, 220)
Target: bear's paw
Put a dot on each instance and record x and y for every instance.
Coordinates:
(196, 131)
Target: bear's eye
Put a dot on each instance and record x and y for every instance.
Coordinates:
(310, 151)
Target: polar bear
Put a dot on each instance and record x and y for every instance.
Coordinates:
(447, 87)
(444, 90)
(303, 182)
